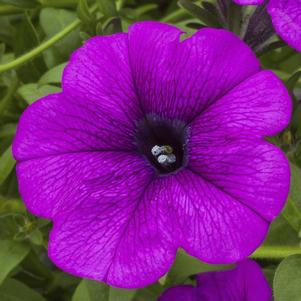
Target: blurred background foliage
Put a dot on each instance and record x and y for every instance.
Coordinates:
(36, 39)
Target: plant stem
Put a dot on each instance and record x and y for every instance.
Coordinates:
(275, 252)
(42, 47)
(6, 9)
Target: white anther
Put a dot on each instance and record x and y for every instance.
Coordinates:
(164, 154)
(163, 159)
(166, 159)
(157, 150)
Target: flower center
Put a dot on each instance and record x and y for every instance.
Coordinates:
(163, 143)
(164, 154)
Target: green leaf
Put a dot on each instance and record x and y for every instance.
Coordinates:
(7, 164)
(206, 17)
(117, 294)
(235, 18)
(53, 76)
(107, 8)
(292, 210)
(281, 233)
(25, 39)
(32, 92)
(293, 80)
(287, 281)
(176, 16)
(138, 13)
(112, 25)
(144, 9)
(85, 36)
(36, 237)
(11, 254)
(292, 214)
(149, 293)
(295, 188)
(13, 290)
(83, 11)
(11, 206)
(87, 17)
(21, 3)
(54, 20)
(89, 290)
(185, 266)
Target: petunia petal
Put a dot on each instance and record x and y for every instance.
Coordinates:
(57, 184)
(256, 174)
(56, 124)
(180, 293)
(286, 18)
(179, 79)
(245, 282)
(258, 107)
(249, 2)
(117, 235)
(230, 153)
(100, 70)
(208, 223)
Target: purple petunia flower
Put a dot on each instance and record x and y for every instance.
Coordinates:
(246, 282)
(155, 144)
(286, 18)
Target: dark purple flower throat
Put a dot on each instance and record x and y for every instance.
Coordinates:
(163, 142)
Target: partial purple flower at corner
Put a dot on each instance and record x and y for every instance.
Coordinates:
(245, 282)
(286, 18)
(155, 144)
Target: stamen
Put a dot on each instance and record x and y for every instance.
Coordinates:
(162, 159)
(157, 150)
(167, 159)
(164, 154)
(163, 143)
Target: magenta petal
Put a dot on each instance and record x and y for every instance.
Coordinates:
(115, 230)
(255, 174)
(226, 146)
(179, 79)
(245, 282)
(249, 2)
(100, 72)
(56, 184)
(207, 222)
(286, 17)
(258, 107)
(56, 124)
(180, 293)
